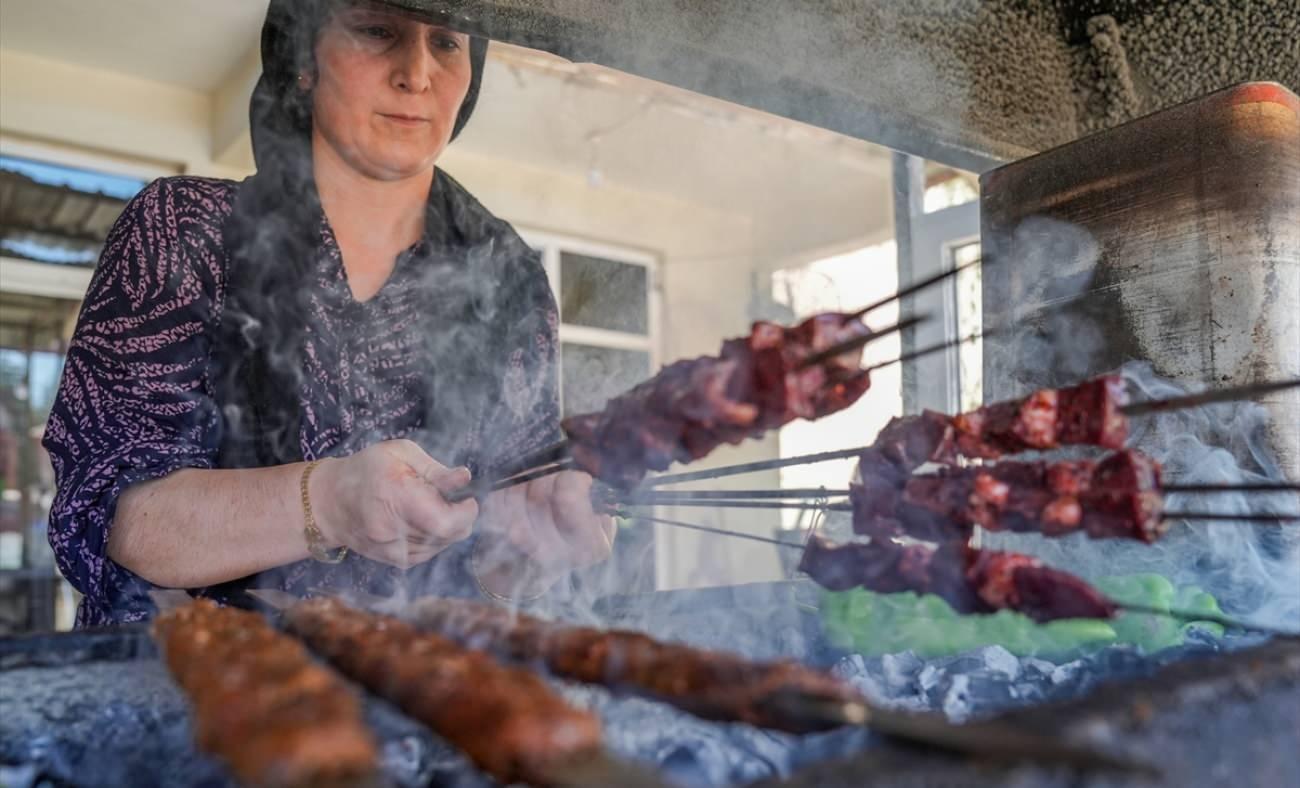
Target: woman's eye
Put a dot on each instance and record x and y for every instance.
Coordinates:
(447, 43)
(375, 31)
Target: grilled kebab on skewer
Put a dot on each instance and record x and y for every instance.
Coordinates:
(1088, 414)
(709, 684)
(1116, 497)
(261, 703)
(968, 579)
(688, 409)
(508, 721)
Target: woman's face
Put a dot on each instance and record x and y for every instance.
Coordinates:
(387, 90)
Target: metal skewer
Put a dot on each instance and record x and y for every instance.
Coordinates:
(1209, 397)
(670, 500)
(473, 491)
(1273, 518)
(749, 467)
(850, 345)
(917, 287)
(1175, 613)
(673, 500)
(739, 495)
(1244, 487)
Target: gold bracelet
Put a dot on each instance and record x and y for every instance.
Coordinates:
(315, 539)
(482, 589)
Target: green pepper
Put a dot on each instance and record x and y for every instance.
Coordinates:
(926, 637)
(1069, 636)
(1013, 631)
(1150, 633)
(838, 633)
(1121, 587)
(1194, 599)
(1213, 628)
(935, 607)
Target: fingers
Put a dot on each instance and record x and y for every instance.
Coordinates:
(429, 518)
(427, 469)
(590, 535)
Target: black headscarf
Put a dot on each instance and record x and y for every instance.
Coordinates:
(272, 237)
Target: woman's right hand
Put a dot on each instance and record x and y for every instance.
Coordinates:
(386, 503)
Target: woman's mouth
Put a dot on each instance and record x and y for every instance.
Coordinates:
(404, 120)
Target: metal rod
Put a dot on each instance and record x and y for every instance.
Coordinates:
(750, 467)
(707, 529)
(935, 348)
(546, 455)
(670, 500)
(779, 505)
(1194, 615)
(713, 495)
(1277, 519)
(1225, 488)
(475, 490)
(850, 345)
(913, 289)
(1209, 397)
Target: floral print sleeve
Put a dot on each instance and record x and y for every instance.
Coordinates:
(135, 402)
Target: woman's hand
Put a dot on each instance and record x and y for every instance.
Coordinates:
(534, 533)
(386, 503)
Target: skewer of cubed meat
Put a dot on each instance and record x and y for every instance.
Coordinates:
(688, 409)
(507, 720)
(969, 579)
(709, 684)
(1088, 414)
(261, 703)
(1117, 497)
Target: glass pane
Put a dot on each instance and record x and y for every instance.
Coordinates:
(594, 374)
(603, 293)
(31, 360)
(970, 319)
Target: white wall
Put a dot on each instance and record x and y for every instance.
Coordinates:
(155, 122)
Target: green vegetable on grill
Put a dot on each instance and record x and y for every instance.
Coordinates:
(871, 623)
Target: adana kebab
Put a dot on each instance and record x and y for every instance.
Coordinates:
(507, 720)
(261, 704)
(781, 695)
(709, 684)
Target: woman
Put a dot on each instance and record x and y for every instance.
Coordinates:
(274, 383)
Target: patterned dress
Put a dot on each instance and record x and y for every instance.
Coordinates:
(139, 398)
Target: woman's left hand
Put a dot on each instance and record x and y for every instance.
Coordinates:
(533, 534)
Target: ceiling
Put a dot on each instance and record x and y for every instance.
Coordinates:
(189, 43)
(585, 121)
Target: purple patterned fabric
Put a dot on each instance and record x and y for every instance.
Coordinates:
(137, 397)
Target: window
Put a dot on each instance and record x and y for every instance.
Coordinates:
(59, 213)
(608, 301)
(56, 208)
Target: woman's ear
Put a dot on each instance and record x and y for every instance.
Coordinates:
(304, 82)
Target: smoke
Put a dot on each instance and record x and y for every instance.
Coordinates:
(1252, 569)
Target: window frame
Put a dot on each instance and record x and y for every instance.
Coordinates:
(551, 244)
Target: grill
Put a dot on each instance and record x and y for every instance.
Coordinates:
(1210, 184)
(98, 708)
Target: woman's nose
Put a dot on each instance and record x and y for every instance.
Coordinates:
(413, 69)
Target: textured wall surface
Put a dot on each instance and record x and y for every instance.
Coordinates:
(968, 82)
